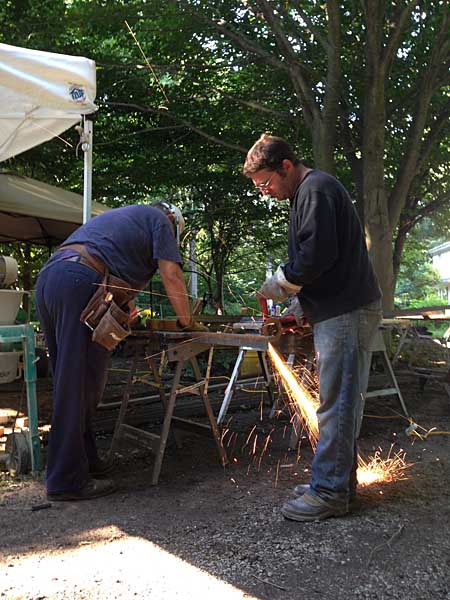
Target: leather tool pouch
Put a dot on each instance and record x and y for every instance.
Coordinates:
(107, 313)
(112, 327)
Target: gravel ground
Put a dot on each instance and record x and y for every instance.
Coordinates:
(205, 531)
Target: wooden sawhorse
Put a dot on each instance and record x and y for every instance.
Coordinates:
(177, 348)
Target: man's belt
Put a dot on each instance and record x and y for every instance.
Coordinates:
(86, 259)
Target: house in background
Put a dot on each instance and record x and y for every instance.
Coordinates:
(441, 262)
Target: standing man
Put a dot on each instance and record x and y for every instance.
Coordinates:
(330, 271)
(130, 243)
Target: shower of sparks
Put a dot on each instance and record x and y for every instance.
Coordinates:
(303, 404)
(301, 401)
(377, 469)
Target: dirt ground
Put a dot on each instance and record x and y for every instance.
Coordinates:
(207, 531)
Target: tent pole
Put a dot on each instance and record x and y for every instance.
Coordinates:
(193, 267)
(87, 149)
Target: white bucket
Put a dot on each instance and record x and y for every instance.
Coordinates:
(10, 366)
(9, 305)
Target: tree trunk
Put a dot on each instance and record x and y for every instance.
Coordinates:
(380, 249)
(375, 200)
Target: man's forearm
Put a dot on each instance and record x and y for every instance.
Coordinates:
(173, 280)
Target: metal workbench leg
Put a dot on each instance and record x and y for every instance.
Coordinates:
(388, 365)
(209, 411)
(166, 423)
(262, 356)
(230, 387)
(30, 380)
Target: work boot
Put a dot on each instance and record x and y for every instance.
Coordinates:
(94, 488)
(302, 488)
(311, 508)
(99, 468)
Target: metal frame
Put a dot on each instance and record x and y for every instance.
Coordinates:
(234, 377)
(378, 347)
(25, 335)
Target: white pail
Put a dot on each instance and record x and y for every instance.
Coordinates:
(9, 305)
(10, 367)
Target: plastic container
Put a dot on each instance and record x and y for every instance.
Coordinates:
(10, 366)
(10, 301)
(250, 366)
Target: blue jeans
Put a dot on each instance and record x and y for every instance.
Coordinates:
(342, 346)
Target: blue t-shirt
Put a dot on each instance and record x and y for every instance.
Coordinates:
(130, 241)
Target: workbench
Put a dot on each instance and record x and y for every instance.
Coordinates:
(158, 348)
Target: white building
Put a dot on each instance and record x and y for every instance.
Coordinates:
(441, 262)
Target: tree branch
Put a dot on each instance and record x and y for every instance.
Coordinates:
(255, 105)
(409, 166)
(394, 38)
(134, 133)
(432, 206)
(409, 218)
(187, 124)
(295, 66)
(277, 30)
(333, 87)
(312, 28)
(432, 138)
(242, 40)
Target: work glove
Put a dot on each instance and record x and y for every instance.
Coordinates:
(295, 309)
(192, 326)
(277, 287)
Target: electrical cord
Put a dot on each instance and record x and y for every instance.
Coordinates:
(412, 429)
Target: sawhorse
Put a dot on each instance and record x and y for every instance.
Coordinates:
(171, 349)
(378, 347)
(234, 377)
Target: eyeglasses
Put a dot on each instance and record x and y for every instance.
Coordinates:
(264, 186)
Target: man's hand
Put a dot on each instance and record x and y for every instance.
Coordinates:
(295, 309)
(271, 288)
(277, 287)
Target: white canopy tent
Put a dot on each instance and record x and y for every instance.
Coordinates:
(41, 95)
(37, 213)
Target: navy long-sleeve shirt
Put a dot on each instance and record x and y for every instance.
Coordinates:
(327, 250)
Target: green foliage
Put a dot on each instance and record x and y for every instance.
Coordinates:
(180, 129)
(418, 280)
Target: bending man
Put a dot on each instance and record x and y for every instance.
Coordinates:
(130, 243)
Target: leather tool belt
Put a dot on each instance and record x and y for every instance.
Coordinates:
(85, 258)
(107, 313)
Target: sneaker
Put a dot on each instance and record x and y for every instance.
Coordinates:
(93, 489)
(311, 508)
(99, 468)
(302, 488)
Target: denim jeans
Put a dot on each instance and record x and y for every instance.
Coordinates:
(342, 346)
